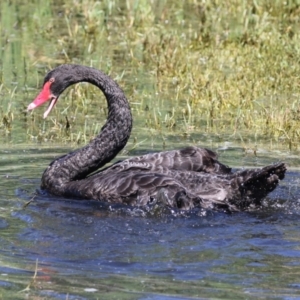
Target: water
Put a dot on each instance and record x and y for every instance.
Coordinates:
(54, 248)
(86, 250)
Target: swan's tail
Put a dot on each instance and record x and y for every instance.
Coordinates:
(242, 190)
(256, 184)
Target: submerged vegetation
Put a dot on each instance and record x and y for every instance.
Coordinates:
(193, 70)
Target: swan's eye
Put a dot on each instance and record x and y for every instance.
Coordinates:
(52, 79)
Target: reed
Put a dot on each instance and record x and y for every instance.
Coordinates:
(224, 69)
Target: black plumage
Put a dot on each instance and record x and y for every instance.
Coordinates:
(179, 178)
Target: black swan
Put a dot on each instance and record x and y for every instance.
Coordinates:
(180, 179)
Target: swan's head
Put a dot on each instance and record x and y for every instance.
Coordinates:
(55, 82)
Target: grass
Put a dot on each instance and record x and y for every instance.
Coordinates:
(226, 69)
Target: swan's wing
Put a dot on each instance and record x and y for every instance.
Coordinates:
(187, 159)
(181, 189)
(129, 187)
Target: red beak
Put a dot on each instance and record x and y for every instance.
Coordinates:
(44, 96)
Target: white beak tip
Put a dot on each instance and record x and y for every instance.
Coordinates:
(31, 106)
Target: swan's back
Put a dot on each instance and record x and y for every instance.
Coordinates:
(188, 159)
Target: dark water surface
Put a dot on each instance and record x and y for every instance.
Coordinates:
(87, 250)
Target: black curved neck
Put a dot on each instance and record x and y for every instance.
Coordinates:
(112, 138)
